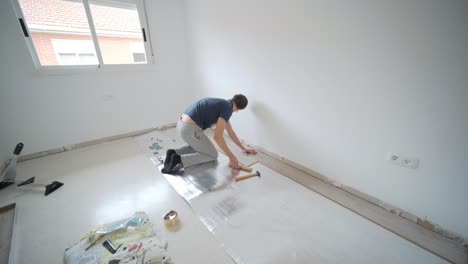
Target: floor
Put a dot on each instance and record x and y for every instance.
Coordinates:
(103, 183)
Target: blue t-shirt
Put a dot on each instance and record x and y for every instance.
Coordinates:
(206, 111)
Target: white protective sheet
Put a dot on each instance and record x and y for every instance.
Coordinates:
(273, 219)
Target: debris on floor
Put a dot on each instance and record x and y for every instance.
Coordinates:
(155, 146)
(131, 240)
(156, 143)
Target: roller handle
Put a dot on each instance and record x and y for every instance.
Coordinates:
(18, 149)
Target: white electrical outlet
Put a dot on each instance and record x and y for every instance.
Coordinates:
(399, 160)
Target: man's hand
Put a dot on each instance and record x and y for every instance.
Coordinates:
(234, 163)
(249, 151)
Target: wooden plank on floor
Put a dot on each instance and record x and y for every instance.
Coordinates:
(441, 246)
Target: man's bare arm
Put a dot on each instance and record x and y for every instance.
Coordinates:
(219, 139)
(236, 140)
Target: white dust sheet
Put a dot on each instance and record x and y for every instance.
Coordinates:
(273, 219)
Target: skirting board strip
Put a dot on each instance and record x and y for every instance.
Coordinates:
(393, 209)
(84, 144)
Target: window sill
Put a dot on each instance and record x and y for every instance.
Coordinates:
(93, 69)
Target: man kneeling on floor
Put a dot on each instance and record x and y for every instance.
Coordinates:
(199, 149)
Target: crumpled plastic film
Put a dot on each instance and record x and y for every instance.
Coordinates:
(202, 179)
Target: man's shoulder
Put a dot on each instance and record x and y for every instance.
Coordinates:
(216, 101)
(225, 104)
(212, 99)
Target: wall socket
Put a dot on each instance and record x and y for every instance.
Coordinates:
(403, 161)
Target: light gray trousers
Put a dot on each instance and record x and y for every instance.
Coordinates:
(199, 148)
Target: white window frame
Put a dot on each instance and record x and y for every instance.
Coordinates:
(141, 8)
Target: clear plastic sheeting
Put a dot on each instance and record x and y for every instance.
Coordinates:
(273, 219)
(201, 179)
(121, 225)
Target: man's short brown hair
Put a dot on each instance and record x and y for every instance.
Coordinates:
(240, 101)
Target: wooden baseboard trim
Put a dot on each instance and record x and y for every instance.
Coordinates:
(84, 144)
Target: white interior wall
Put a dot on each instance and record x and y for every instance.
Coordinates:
(3, 145)
(46, 110)
(336, 85)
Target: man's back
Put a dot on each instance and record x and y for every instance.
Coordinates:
(205, 112)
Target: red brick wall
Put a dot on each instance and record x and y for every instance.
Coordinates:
(114, 50)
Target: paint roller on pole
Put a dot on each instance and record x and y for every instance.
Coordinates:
(9, 177)
(10, 171)
(248, 176)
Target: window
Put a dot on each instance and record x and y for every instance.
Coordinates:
(84, 32)
(74, 52)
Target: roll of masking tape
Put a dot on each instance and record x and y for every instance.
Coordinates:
(171, 218)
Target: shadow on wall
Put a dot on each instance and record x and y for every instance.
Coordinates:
(271, 127)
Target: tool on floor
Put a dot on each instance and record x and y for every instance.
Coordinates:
(110, 247)
(95, 241)
(9, 176)
(241, 178)
(244, 168)
(119, 226)
(49, 188)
